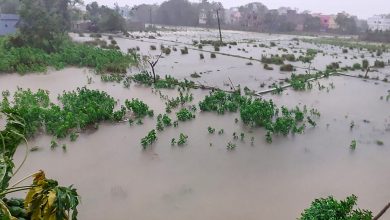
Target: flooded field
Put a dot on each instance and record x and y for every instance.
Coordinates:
(117, 179)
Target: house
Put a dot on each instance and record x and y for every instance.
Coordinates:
(379, 23)
(8, 23)
(325, 21)
(328, 22)
(332, 23)
(232, 16)
(202, 17)
(253, 15)
(283, 10)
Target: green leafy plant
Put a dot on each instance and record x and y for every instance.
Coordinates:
(53, 144)
(273, 59)
(167, 121)
(182, 139)
(231, 146)
(268, 67)
(139, 108)
(149, 139)
(220, 102)
(77, 110)
(379, 64)
(184, 115)
(73, 136)
(211, 130)
(159, 126)
(277, 90)
(173, 142)
(287, 68)
(184, 51)
(260, 113)
(353, 145)
(45, 198)
(242, 136)
(330, 208)
(380, 143)
(30, 59)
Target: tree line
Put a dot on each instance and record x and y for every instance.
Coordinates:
(253, 16)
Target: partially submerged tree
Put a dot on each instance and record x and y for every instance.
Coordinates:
(43, 24)
(347, 24)
(152, 61)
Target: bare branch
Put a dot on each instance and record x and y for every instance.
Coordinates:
(382, 212)
(158, 58)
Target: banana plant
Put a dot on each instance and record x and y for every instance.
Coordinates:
(45, 198)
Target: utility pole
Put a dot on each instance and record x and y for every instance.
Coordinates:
(219, 26)
(150, 16)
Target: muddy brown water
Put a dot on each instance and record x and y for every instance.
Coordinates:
(118, 180)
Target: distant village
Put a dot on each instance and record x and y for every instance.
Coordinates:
(250, 17)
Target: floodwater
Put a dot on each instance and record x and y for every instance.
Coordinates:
(203, 180)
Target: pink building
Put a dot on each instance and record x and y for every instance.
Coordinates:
(325, 20)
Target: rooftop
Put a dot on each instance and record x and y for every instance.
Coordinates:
(9, 17)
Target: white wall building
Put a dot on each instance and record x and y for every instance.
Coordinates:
(379, 22)
(202, 17)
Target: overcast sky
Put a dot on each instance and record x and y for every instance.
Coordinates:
(361, 8)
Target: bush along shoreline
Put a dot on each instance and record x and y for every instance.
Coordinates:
(25, 59)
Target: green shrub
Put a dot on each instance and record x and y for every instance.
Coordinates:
(138, 107)
(149, 139)
(167, 50)
(287, 67)
(95, 35)
(27, 59)
(267, 67)
(333, 66)
(274, 59)
(379, 64)
(77, 110)
(258, 112)
(289, 57)
(330, 208)
(357, 66)
(184, 51)
(184, 115)
(365, 64)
